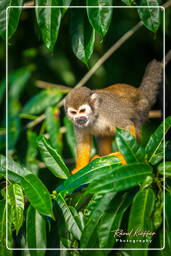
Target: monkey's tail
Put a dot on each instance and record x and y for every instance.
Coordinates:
(151, 81)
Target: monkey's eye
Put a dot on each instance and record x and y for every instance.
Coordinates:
(73, 112)
(83, 110)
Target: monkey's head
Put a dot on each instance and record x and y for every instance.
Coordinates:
(81, 106)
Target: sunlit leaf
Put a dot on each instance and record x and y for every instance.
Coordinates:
(48, 20)
(37, 194)
(16, 200)
(35, 231)
(52, 159)
(120, 178)
(34, 189)
(99, 17)
(150, 16)
(86, 175)
(82, 35)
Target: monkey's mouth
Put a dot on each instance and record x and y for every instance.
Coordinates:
(81, 121)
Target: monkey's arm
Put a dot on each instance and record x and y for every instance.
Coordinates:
(83, 150)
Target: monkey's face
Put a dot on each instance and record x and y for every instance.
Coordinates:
(82, 117)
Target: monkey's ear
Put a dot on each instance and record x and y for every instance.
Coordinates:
(95, 99)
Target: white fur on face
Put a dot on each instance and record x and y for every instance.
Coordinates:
(84, 110)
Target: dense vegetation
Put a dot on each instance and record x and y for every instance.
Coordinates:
(46, 206)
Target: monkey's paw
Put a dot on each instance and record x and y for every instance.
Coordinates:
(120, 156)
(94, 157)
(75, 170)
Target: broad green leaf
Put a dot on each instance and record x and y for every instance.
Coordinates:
(37, 194)
(99, 17)
(156, 139)
(82, 35)
(52, 159)
(16, 200)
(129, 2)
(129, 147)
(94, 219)
(64, 3)
(12, 17)
(34, 189)
(38, 103)
(164, 168)
(48, 20)
(53, 128)
(150, 16)
(15, 170)
(32, 152)
(17, 81)
(120, 178)
(111, 220)
(140, 219)
(70, 136)
(35, 231)
(3, 250)
(70, 221)
(168, 210)
(86, 175)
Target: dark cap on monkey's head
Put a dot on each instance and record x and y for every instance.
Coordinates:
(77, 97)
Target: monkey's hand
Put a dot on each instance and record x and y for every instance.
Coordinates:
(117, 154)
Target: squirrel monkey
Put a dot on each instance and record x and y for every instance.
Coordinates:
(99, 112)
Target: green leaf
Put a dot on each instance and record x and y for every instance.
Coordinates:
(100, 18)
(49, 20)
(15, 170)
(3, 250)
(86, 175)
(120, 178)
(38, 103)
(37, 194)
(164, 168)
(53, 128)
(52, 159)
(64, 3)
(82, 34)
(70, 221)
(14, 125)
(111, 220)
(34, 189)
(150, 16)
(94, 219)
(128, 2)
(16, 200)
(32, 152)
(129, 147)
(156, 139)
(140, 218)
(70, 136)
(35, 231)
(13, 16)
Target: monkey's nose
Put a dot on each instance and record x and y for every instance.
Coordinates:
(81, 120)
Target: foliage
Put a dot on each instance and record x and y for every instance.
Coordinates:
(89, 206)
(46, 206)
(83, 25)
